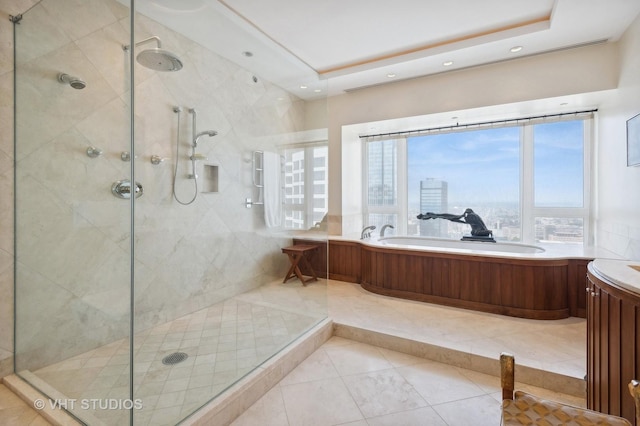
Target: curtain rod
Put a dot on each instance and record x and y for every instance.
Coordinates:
(482, 123)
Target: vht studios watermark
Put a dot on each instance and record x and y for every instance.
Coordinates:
(89, 404)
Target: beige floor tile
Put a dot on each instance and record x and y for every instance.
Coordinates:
(399, 359)
(439, 383)
(419, 416)
(488, 384)
(383, 392)
(15, 412)
(317, 366)
(267, 411)
(9, 399)
(478, 411)
(319, 403)
(18, 416)
(357, 358)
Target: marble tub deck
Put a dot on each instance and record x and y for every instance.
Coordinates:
(392, 361)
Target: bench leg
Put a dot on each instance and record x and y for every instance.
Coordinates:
(294, 270)
(308, 264)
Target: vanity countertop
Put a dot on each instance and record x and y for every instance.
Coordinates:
(624, 273)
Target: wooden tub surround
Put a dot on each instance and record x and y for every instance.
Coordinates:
(536, 289)
(527, 287)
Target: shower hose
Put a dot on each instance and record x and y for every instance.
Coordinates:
(175, 170)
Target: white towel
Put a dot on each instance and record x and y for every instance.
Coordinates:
(272, 202)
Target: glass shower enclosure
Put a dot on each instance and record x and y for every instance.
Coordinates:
(144, 285)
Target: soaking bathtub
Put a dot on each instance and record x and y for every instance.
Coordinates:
(440, 243)
(503, 278)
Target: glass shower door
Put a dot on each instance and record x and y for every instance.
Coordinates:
(72, 236)
(118, 326)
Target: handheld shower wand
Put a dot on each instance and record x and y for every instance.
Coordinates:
(194, 156)
(197, 136)
(209, 133)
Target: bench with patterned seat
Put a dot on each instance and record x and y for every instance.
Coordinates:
(521, 408)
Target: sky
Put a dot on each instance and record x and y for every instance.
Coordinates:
(483, 166)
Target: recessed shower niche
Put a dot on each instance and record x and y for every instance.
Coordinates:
(209, 178)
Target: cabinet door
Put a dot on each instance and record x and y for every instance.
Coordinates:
(613, 343)
(593, 344)
(590, 345)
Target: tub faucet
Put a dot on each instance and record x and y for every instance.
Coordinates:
(366, 232)
(384, 228)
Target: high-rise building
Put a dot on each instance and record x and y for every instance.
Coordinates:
(433, 198)
(305, 186)
(382, 174)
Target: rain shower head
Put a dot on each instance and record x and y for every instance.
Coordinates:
(72, 81)
(157, 59)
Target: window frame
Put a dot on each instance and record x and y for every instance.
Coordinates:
(528, 210)
(308, 205)
(401, 207)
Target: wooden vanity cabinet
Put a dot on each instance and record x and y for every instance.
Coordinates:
(613, 345)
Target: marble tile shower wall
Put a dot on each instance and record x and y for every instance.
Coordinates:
(73, 234)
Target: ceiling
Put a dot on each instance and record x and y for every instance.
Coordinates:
(317, 48)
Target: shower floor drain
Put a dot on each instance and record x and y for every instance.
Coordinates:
(174, 358)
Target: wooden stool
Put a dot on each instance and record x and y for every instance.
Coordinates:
(296, 254)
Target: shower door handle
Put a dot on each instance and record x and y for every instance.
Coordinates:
(122, 189)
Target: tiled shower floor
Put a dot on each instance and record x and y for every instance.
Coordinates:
(223, 341)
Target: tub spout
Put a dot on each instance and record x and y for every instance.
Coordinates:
(366, 232)
(384, 228)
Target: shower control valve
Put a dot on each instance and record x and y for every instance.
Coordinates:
(126, 156)
(156, 159)
(94, 152)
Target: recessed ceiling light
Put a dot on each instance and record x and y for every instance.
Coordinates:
(391, 75)
(447, 63)
(247, 54)
(515, 49)
(318, 90)
(303, 87)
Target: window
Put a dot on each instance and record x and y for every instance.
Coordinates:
(559, 164)
(384, 192)
(450, 172)
(528, 182)
(306, 186)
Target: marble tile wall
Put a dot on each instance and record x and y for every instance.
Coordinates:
(620, 238)
(73, 238)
